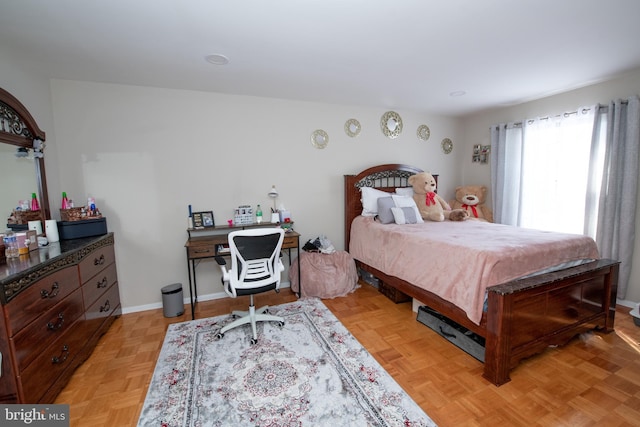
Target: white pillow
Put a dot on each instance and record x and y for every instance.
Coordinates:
(406, 215)
(407, 202)
(369, 200)
(404, 191)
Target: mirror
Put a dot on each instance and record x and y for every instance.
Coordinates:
(319, 138)
(21, 176)
(18, 179)
(352, 128)
(423, 132)
(391, 124)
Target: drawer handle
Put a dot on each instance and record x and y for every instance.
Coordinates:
(105, 307)
(446, 334)
(55, 288)
(98, 261)
(63, 356)
(102, 283)
(52, 327)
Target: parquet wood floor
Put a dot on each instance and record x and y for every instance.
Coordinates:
(592, 381)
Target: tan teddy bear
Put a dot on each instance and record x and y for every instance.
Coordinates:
(471, 198)
(431, 206)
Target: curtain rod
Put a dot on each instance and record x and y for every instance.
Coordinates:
(601, 108)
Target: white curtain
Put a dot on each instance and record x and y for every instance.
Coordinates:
(540, 171)
(572, 173)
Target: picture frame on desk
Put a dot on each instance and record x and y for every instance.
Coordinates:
(203, 219)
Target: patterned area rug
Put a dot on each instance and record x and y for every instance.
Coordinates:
(310, 372)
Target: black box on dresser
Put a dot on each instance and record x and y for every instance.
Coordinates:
(84, 228)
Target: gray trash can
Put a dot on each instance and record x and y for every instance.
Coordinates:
(172, 300)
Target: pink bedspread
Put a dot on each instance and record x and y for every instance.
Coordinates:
(458, 261)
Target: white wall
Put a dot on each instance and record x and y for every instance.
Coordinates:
(475, 130)
(145, 154)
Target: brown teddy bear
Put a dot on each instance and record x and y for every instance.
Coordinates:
(431, 206)
(471, 198)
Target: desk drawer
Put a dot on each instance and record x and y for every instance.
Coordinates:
(202, 250)
(290, 242)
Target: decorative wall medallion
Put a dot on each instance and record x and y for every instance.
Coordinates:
(447, 145)
(319, 138)
(391, 124)
(352, 128)
(423, 132)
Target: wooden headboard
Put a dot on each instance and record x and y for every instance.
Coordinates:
(383, 177)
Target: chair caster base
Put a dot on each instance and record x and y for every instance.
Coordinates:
(254, 341)
(219, 336)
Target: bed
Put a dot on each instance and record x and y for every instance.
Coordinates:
(518, 311)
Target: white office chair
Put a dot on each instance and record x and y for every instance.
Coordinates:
(255, 268)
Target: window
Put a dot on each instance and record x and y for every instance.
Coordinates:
(548, 170)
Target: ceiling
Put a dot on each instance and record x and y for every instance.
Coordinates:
(400, 54)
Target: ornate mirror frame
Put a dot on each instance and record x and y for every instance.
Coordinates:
(319, 138)
(391, 124)
(18, 127)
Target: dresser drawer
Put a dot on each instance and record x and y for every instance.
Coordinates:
(32, 340)
(102, 308)
(40, 297)
(96, 261)
(201, 250)
(39, 376)
(98, 284)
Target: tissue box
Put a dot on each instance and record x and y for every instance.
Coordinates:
(85, 228)
(285, 216)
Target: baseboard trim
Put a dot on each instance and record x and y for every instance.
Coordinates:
(207, 297)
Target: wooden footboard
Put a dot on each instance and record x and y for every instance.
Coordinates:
(526, 316)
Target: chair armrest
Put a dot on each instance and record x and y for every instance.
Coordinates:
(222, 263)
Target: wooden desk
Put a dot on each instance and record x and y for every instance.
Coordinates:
(205, 244)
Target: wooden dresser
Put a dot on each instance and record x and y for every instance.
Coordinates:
(56, 303)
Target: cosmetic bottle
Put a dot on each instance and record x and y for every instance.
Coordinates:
(65, 201)
(11, 245)
(35, 206)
